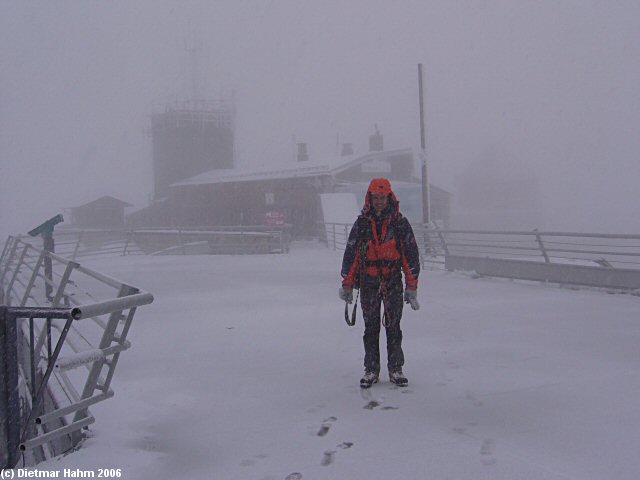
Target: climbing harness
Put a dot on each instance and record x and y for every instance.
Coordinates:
(385, 319)
(351, 322)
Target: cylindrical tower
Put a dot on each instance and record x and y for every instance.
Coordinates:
(190, 138)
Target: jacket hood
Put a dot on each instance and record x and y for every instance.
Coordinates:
(381, 186)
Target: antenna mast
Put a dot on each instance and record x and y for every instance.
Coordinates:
(195, 56)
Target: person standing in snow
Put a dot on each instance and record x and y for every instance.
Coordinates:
(380, 247)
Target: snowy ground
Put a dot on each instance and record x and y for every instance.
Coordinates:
(243, 368)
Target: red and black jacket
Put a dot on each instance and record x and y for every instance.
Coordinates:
(380, 247)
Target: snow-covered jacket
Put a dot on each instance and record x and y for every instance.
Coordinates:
(380, 246)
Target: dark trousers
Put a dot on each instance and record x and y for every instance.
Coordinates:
(371, 301)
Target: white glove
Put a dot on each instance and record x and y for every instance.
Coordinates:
(346, 294)
(411, 297)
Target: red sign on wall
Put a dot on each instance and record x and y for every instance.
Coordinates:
(274, 218)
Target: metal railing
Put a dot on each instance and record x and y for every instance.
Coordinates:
(596, 259)
(231, 240)
(335, 235)
(62, 330)
(606, 250)
(86, 243)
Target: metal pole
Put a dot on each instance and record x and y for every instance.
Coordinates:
(37, 407)
(129, 234)
(334, 236)
(541, 245)
(181, 241)
(426, 213)
(9, 396)
(4, 398)
(49, 246)
(77, 247)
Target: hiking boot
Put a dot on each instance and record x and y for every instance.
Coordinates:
(368, 379)
(397, 377)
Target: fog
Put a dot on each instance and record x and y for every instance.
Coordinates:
(554, 84)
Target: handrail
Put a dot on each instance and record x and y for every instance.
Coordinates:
(533, 232)
(32, 330)
(82, 243)
(123, 303)
(578, 245)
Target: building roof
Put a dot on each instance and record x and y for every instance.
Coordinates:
(331, 166)
(105, 200)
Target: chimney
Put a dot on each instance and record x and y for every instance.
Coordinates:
(303, 156)
(347, 149)
(376, 142)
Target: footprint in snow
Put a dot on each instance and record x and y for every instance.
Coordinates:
(486, 450)
(327, 458)
(371, 405)
(326, 425)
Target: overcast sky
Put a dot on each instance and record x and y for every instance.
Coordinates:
(554, 83)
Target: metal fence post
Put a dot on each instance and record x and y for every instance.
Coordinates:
(541, 245)
(334, 236)
(426, 243)
(77, 247)
(4, 399)
(64, 280)
(443, 242)
(181, 240)
(49, 246)
(9, 396)
(127, 237)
